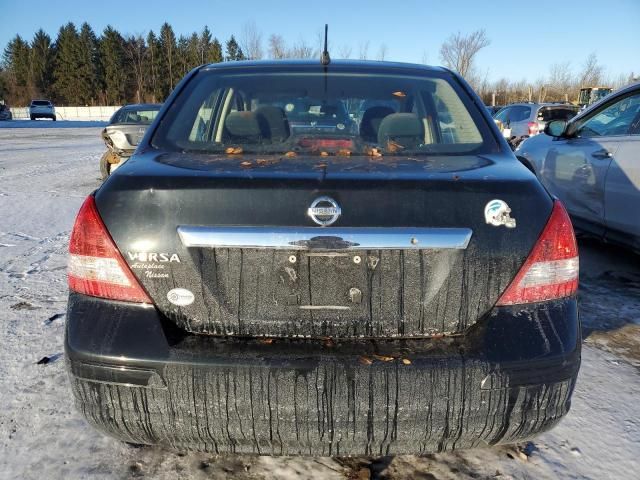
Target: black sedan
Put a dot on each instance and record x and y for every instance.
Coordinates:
(239, 285)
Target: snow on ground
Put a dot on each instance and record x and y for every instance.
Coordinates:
(45, 173)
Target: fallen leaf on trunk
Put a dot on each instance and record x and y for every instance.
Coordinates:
(383, 358)
(233, 150)
(406, 361)
(365, 360)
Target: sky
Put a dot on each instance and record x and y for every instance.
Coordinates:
(526, 36)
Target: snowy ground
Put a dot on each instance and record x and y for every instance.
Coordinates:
(45, 173)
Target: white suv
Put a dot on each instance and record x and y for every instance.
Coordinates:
(42, 109)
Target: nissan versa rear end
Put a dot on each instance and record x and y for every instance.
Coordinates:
(383, 278)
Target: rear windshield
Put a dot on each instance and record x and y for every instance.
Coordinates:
(546, 114)
(40, 103)
(132, 115)
(324, 114)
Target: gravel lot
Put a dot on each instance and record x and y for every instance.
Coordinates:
(47, 169)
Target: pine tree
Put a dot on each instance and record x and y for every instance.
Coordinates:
(67, 64)
(204, 45)
(16, 61)
(88, 61)
(193, 52)
(153, 66)
(234, 52)
(113, 62)
(42, 57)
(182, 55)
(214, 55)
(168, 49)
(135, 50)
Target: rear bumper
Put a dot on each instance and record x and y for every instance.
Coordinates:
(137, 378)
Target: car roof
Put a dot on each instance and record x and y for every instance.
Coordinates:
(343, 64)
(543, 104)
(142, 105)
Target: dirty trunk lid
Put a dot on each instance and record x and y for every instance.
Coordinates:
(225, 245)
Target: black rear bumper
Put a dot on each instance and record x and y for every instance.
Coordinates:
(136, 377)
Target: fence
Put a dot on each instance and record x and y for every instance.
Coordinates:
(72, 113)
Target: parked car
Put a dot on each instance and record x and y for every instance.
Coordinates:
(123, 133)
(592, 163)
(42, 109)
(238, 285)
(524, 120)
(5, 112)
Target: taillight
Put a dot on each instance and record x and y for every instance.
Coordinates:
(96, 267)
(551, 270)
(533, 128)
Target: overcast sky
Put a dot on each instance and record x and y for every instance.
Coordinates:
(526, 36)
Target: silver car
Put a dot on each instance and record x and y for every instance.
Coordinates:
(524, 120)
(592, 163)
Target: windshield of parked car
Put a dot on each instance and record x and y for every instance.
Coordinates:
(144, 115)
(323, 113)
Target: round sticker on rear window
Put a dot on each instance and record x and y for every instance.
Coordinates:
(180, 296)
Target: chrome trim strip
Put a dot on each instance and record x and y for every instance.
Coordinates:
(325, 238)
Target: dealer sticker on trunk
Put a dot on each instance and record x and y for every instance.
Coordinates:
(180, 296)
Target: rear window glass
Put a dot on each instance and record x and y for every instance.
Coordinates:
(546, 114)
(40, 103)
(317, 113)
(129, 115)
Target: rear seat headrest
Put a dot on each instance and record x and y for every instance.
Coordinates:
(403, 128)
(243, 126)
(273, 123)
(371, 120)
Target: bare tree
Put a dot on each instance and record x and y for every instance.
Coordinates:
(345, 51)
(382, 52)
(591, 74)
(251, 41)
(302, 50)
(459, 51)
(363, 50)
(134, 47)
(277, 47)
(560, 80)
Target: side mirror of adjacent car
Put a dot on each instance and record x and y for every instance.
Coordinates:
(556, 128)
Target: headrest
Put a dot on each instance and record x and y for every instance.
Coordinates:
(242, 125)
(404, 128)
(371, 120)
(273, 123)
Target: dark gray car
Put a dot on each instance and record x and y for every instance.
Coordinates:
(593, 165)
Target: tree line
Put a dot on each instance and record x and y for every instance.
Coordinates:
(82, 68)
(79, 67)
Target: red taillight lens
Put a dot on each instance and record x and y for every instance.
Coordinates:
(96, 267)
(533, 128)
(551, 270)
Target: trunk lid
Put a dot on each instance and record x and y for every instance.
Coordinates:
(265, 268)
